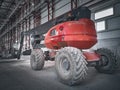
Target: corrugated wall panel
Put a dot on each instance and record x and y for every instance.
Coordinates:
(62, 7)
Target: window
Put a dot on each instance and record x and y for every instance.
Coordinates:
(100, 26)
(104, 13)
(53, 32)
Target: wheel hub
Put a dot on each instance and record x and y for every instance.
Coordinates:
(104, 60)
(65, 65)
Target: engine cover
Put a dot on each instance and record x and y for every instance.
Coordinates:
(80, 34)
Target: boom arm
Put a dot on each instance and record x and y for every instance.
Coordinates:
(37, 39)
(21, 45)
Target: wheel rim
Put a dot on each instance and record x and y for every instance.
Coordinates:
(65, 65)
(104, 60)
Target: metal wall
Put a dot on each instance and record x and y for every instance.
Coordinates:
(110, 37)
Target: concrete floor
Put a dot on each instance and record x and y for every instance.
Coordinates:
(17, 75)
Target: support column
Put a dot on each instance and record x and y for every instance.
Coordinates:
(74, 4)
(50, 6)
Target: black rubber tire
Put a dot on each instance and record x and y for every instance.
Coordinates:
(37, 59)
(77, 66)
(111, 63)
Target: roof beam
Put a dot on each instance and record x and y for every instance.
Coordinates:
(17, 6)
(5, 8)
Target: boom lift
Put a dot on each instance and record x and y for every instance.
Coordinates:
(68, 41)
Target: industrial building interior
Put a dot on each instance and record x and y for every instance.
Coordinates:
(20, 19)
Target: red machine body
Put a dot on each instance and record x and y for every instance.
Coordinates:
(80, 34)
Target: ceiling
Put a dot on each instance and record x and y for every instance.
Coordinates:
(6, 7)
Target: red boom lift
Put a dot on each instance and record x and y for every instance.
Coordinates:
(68, 41)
